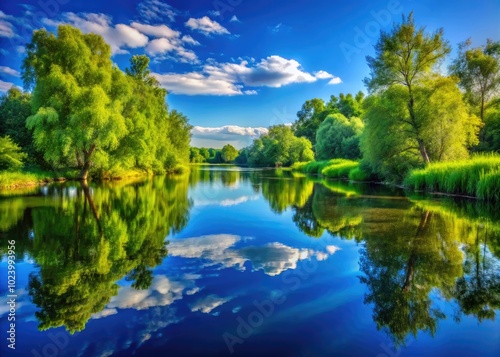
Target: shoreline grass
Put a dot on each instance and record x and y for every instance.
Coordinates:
(478, 177)
(33, 176)
(334, 168)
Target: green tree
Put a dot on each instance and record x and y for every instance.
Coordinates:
(389, 142)
(279, 147)
(479, 72)
(309, 118)
(15, 108)
(229, 153)
(205, 154)
(11, 156)
(405, 57)
(195, 156)
(338, 137)
(76, 117)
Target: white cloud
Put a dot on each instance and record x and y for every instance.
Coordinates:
(335, 80)
(219, 250)
(9, 71)
(230, 78)
(6, 29)
(208, 303)
(156, 10)
(189, 40)
(20, 49)
(323, 75)
(155, 31)
(234, 19)
(122, 36)
(206, 26)
(5, 86)
(228, 130)
(119, 37)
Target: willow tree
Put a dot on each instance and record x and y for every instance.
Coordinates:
(479, 72)
(406, 56)
(76, 118)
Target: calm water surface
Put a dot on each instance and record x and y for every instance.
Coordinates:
(249, 263)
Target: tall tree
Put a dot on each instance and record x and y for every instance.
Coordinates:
(479, 72)
(76, 119)
(406, 56)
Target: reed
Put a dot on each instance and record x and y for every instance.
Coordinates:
(478, 177)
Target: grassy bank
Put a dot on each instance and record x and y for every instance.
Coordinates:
(335, 168)
(33, 176)
(477, 177)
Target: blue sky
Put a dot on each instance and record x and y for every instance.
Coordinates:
(235, 67)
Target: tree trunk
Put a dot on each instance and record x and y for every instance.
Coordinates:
(421, 144)
(87, 155)
(423, 151)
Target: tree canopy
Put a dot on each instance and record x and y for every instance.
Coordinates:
(89, 114)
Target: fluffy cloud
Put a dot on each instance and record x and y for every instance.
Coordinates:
(118, 37)
(156, 10)
(206, 26)
(9, 71)
(155, 31)
(164, 40)
(272, 258)
(228, 130)
(335, 80)
(323, 75)
(230, 78)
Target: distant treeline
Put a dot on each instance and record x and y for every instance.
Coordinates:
(414, 114)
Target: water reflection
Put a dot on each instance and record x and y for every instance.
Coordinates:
(84, 239)
(412, 252)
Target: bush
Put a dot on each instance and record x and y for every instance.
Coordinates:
(11, 156)
(358, 174)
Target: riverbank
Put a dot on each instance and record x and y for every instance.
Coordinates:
(35, 177)
(477, 177)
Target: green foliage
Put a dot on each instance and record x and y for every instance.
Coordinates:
(15, 108)
(11, 157)
(392, 145)
(90, 115)
(405, 58)
(280, 147)
(358, 174)
(475, 177)
(479, 72)
(229, 153)
(338, 137)
(314, 112)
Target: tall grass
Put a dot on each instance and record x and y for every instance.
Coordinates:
(478, 177)
(33, 176)
(334, 168)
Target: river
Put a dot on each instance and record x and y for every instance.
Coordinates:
(229, 261)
